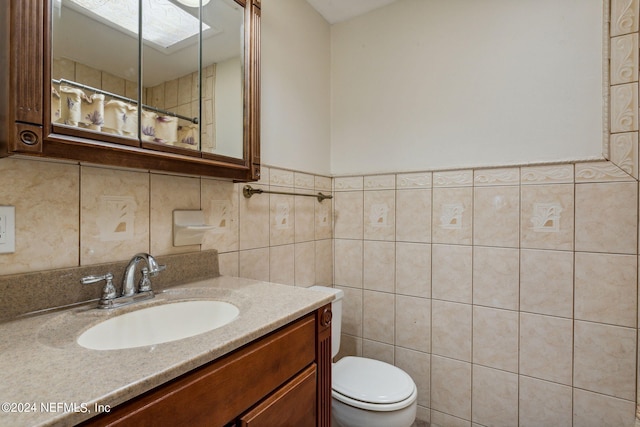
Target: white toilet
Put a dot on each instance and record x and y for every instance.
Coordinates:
(367, 392)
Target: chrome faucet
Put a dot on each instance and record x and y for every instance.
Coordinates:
(129, 292)
(152, 269)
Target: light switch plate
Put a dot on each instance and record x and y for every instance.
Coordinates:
(7, 229)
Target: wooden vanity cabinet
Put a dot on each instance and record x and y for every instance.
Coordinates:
(282, 379)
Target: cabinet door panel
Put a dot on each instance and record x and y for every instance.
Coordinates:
(293, 405)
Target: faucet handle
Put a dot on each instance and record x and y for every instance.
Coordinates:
(145, 282)
(108, 292)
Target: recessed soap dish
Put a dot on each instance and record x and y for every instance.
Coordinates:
(189, 227)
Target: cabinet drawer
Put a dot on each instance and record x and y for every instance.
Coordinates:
(292, 405)
(217, 393)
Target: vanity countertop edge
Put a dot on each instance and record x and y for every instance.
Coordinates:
(47, 379)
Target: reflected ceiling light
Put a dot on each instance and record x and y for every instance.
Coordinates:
(163, 23)
(193, 3)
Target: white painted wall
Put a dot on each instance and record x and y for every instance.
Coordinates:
(295, 84)
(432, 84)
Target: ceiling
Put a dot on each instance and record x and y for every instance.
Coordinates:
(341, 10)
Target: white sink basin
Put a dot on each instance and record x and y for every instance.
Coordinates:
(158, 324)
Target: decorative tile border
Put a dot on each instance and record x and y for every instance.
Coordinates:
(414, 180)
(462, 178)
(624, 17)
(600, 172)
(508, 176)
(555, 174)
(380, 182)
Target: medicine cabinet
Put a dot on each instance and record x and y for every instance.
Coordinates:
(167, 85)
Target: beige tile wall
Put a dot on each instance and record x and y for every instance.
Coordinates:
(69, 215)
(509, 294)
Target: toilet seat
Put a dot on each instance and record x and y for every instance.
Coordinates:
(372, 384)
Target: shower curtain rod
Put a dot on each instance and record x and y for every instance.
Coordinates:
(193, 120)
(249, 191)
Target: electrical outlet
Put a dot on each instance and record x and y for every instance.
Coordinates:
(7, 229)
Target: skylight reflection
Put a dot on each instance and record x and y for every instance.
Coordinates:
(164, 24)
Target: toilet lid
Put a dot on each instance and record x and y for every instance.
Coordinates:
(371, 381)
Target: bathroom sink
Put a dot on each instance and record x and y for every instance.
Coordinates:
(158, 324)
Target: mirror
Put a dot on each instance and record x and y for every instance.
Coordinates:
(186, 71)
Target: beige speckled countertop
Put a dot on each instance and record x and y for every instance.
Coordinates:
(46, 378)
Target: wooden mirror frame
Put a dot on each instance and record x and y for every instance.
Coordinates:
(25, 78)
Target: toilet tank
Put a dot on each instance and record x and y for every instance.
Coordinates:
(336, 311)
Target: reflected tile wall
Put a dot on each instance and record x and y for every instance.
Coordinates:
(516, 286)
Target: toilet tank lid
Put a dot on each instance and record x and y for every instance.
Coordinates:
(338, 293)
(371, 381)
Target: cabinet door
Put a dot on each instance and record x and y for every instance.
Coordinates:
(294, 404)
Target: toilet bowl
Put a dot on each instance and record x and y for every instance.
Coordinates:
(367, 392)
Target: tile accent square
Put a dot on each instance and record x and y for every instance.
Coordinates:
(452, 215)
(547, 216)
